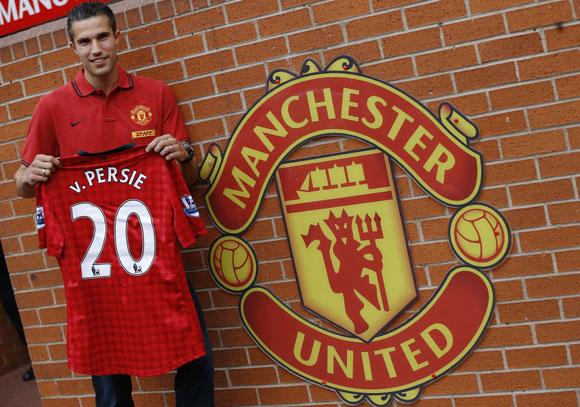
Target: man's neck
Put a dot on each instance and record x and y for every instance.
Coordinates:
(104, 83)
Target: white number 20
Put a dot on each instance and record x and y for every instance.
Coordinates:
(89, 266)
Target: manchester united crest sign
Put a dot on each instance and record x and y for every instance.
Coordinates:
(346, 233)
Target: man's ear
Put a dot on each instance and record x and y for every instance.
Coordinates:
(72, 45)
(117, 37)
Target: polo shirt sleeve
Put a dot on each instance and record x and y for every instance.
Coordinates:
(50, 236)
(41, 137)
(172, 120)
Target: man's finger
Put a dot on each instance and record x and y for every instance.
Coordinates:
(34, 179)
(169, 144)
(160, 146)
(173, 156)
(151, 145)
(43, 165)
(44, 172)
(164, 150)
(45, 161)
(154, 143)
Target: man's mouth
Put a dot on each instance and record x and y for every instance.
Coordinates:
(99, 61)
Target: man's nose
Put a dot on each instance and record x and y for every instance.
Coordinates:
(95, 47)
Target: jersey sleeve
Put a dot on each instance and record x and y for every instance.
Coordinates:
(41, 136)
(172, 120)
(187, 222)
(50, 235)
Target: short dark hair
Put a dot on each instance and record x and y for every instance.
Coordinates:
(88, 10)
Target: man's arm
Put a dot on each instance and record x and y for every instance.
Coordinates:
(40, 170)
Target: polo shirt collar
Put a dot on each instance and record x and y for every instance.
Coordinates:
(84, 88)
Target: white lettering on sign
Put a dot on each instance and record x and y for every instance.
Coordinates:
(14, 10)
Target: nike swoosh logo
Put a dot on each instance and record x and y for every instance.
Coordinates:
(73, 124)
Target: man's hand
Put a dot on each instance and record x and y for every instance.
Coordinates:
(40, 170)
(169, 147)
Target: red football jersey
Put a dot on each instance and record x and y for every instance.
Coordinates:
(115, 221)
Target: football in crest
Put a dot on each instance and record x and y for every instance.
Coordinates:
(233, 263)
(479, 235)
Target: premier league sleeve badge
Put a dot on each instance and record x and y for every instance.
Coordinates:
(189, 206)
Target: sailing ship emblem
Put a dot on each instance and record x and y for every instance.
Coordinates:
(349, 179)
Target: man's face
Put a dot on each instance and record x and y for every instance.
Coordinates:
(95, 43)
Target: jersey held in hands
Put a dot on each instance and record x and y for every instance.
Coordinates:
(117, 222)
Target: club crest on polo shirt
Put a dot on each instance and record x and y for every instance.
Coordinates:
(190, 207)
(141, 115)
(39, 217)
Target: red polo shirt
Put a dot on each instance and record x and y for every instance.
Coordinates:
(78, 117)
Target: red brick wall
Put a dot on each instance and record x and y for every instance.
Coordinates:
(512, 66)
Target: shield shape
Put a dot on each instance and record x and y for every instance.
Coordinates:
(347, 239)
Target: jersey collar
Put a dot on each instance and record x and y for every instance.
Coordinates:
(83, 88)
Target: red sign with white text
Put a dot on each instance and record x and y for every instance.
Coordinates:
(17, 15)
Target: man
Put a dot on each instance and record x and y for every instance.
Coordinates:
(101, 109)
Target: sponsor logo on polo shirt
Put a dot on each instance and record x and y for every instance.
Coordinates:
(141, 115)
(143, 133)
